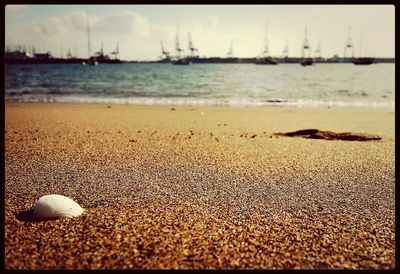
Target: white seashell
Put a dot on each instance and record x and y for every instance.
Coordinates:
(56, 206)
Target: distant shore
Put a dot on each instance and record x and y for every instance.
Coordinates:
(199, 187)
(208, 60)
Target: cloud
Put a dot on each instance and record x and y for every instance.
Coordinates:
(117, 23)
(76, 20)
(59, 26)
(52, 26)
(125, 22)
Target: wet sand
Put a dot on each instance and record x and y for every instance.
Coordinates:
(181, 187)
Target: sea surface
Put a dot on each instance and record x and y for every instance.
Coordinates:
(320, 85)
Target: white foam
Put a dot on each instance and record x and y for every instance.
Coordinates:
(179, 101)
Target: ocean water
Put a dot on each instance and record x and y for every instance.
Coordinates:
(320, 85)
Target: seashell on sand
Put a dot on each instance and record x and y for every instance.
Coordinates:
(56, 206)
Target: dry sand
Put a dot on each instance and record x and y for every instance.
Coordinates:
(199, 188)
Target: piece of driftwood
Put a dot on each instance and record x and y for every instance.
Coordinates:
(329, 135)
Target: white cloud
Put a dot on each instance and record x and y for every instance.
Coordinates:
(117, 23)
(52, 26)
(125, 22)
(76, 20)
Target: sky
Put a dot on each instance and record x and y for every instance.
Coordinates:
(139, 29)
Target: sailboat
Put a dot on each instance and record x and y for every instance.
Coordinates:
(285, 52)
(306, 61)
(348, 46)
(318, 53)
(92, 59)
(230, 52)
(363, 60)
(265, 59)
(179, 60)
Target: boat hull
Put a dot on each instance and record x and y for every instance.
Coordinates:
(307, 62)
(364, 61)
(266, 61)
(183, 62)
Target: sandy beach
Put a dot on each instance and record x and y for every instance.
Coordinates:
(199, 187)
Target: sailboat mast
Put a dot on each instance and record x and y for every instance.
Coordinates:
(318, 50)
(349, 44)
(178, 49)
(88, 31)
(266, 50)
(190, 45)
(306, 46)
(230, 53)
(162, 47)
(285, 52)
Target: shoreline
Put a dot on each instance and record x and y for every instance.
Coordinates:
(337, 105)
(199, 187)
